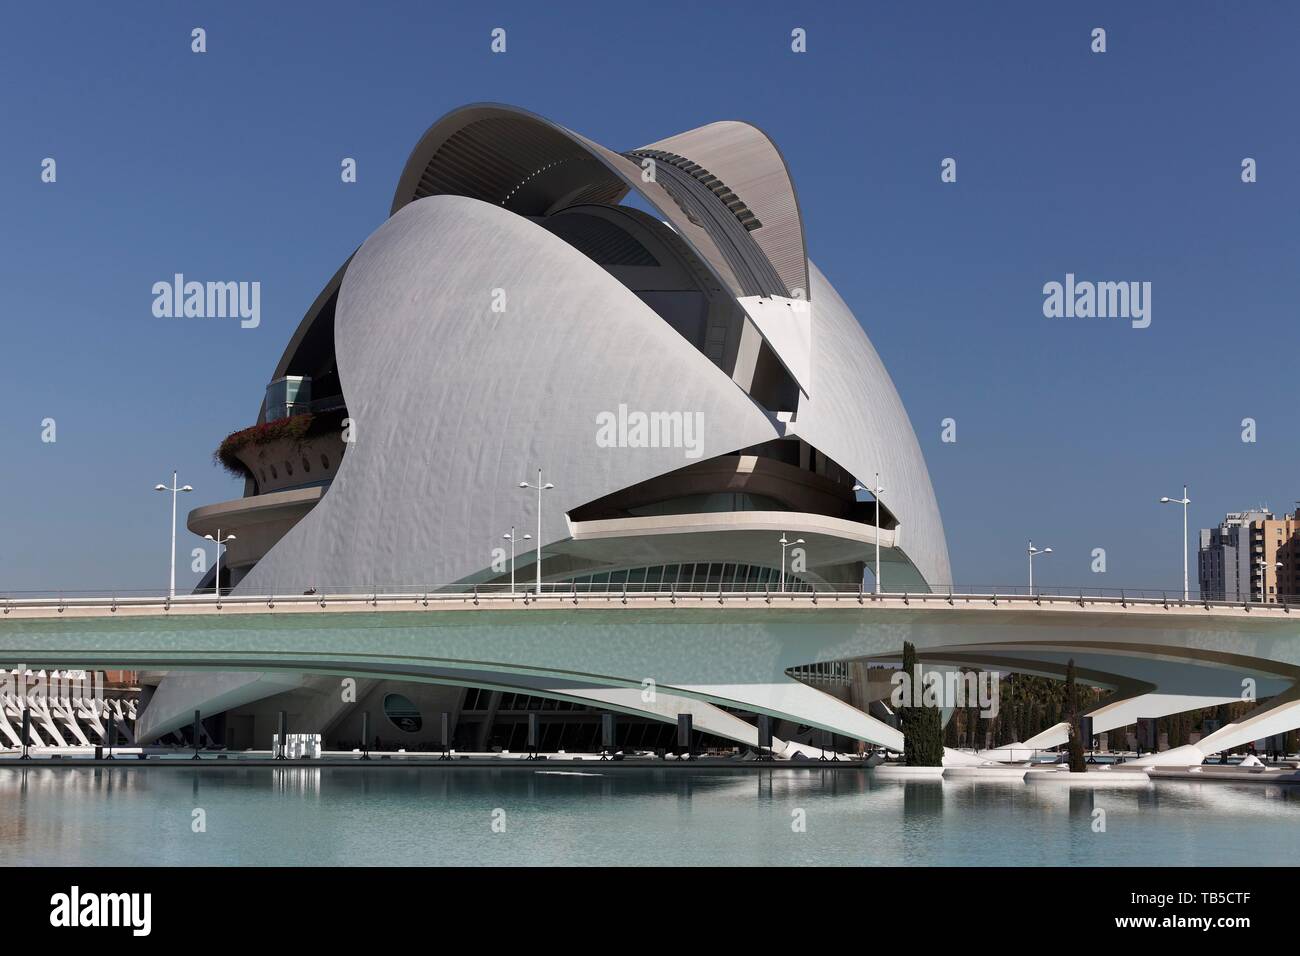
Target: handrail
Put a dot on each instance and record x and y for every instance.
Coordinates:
(484, 597)
(617, 587)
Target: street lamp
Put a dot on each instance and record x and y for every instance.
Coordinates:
(1263, 579)
(512, 539)
(1184, 501)
(1033, 553)
(785, 544)
(219, 541)
(876, 492)
(540, 488)
(171, 589)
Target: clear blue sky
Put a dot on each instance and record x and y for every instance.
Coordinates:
(1116, 166)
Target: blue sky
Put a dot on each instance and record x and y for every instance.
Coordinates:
(1116, 166)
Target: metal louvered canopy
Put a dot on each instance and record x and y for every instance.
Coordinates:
(735, 217)
(511, 161)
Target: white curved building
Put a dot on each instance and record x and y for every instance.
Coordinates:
(644, 327)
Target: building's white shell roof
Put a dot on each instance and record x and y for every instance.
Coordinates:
(454, 404)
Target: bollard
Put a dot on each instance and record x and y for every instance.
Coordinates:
(685, 726)
(764, 737)
(284, 735)
(606, 735)
(532, 736)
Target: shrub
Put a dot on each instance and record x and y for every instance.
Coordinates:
(295, 428)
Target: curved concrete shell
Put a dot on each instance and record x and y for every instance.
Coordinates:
(535, 169)
(854, 414)
(440, 446)
(747, 160)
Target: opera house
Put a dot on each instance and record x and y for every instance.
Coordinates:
(643, 327)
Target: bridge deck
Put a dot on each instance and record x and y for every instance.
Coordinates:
(235, 605)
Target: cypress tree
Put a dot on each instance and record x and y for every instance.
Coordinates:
(950, 738)
(1075, 744)
(921, 726)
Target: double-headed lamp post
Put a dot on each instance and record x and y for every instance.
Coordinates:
(219, 541)
(876, 492)
(1033, 553)
(1184, 501)
(1263, 579)
(540, 488)
(512, 539)
(785, 544)
(171, 588)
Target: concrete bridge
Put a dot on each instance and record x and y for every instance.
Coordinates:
(658, 654)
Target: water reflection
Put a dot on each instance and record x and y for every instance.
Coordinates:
(302, 815)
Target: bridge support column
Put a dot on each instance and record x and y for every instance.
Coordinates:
(1279, 715)
(797, 701)
(1125, 710)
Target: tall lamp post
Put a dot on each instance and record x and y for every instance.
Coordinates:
(512, 539)
(171, 588)
(1184, 501)
(1263, 579)
(219, 541)
(1033, 553)
(785, 544)
(876, 493)
(540, 488)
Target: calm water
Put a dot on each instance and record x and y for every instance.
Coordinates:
(303, 816)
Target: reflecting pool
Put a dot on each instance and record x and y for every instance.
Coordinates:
(646, 817)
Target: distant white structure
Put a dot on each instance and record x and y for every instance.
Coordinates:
(296, 746)
(69, 708)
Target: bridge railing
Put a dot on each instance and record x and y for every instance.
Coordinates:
(587, 593)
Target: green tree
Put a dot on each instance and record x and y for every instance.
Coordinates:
(1075, 742)
(974, 736)
(1004, 723)
(921, 726)
(950, 731)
